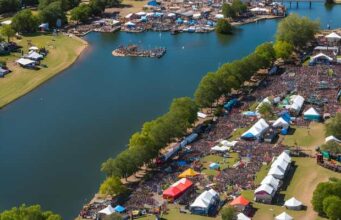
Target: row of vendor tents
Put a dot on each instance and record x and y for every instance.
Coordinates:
(30, 59)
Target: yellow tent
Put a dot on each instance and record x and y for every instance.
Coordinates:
(187, 173)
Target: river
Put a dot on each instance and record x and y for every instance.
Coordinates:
(54, 139)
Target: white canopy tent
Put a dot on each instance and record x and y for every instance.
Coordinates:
(219, 16)
(141, 13)
(296, 103)
(271, 181)
(257, 129)
(293, 203)
(34, 48)
(7, 22)
(311, 111)
(281, 164)
(333, 37)
(280, 122)
(241, 216)
(34, 56)
(204, 199)
(108, 210)
(321, 55)
(276, 172)
(264, 188)
(258, 9)
(285, 157)
(25, 62)
(228, 143)
(220, 149)
(201, 115)
(283, 216)
(332, 138)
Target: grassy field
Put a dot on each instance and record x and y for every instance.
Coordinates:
(129, 6)
(306, 176)
(63, 51)
(220, 160)
(306, 137)
(237, 133)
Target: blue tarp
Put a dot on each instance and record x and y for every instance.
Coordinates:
(179, 21)
(181, 163)
(230, 104)
(248, 135)
(214, 166)
(284, 131)
(158, 14)
(152, 3)
(249, 113)
(273, 70)
(119, 209)
(286, 116)
(143, 18)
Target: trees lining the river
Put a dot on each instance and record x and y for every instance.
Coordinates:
(28, 212)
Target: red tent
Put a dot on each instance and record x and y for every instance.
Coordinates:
(177, 189)
(240, 200)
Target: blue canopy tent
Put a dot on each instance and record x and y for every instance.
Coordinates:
(284, 131)
(143, 18)
(230, 104)
(250, 114)
(179, 21)
(286, 116)
(273, 70)
(181, 163)
(152, 3)
(119, 209)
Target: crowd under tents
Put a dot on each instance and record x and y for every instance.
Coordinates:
(206, 203)
(312, 115)
(332, 138)
(177, 189)
(283, 216)
(256, 130)
(293, 204)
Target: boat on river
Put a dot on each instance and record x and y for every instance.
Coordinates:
(134, 51)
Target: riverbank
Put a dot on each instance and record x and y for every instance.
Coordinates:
(63, 52)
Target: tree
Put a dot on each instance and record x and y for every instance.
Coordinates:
(228, 213)
(331, 206)
(28, 212)
(25, 22)
(265, 109)
(207, 91)
(97, 6)
(283, 49)
(9, 6)
(113, 3)
(332, 147)
(112, 186)
(223, 26)
(297, 30)
(7, 31)
(266, 52)
(238, 6)
(81, 13)
(228, 11)
(52, 12)
(65, 4)
(333, 127)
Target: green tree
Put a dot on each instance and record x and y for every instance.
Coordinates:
(265, 109)
(228, 213)
(25, 22)
(228, 11)
(223, 26)
(283, 49)
(112, 186)
(9, 6)
(33, 212)
(65, 4)
(297, 30)
(113, 3)
(97, 6)
(331, 206)
(266, 52)
(207, 91)
(239, 7)
(332, 146)
(81, 13)
(52, 12)
(333, 127)
(7, 31)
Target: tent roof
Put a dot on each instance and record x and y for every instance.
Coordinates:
(240, 200)
(266, 188)
(333, 35)
(311, 111)
(188, 172)
(297, 102)
(257, 129)
(228, 143)
(280, 163)
(283, 216)
(204, 199)
(275, 171)
(241, 216)
(271, 181)
(24, 61)
(285, 157)
(321, 55)
(221, 149)
(280, 122)
(293, 202)
(33, 48)
(108, 210)
(34, 55)
(201, 115)
(332, 138)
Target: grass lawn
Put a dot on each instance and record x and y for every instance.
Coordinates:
(63, 51)
(128, 6)
(262, 173)
(306, 137)
(237, 133)
(218, 159)
(304, 181)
